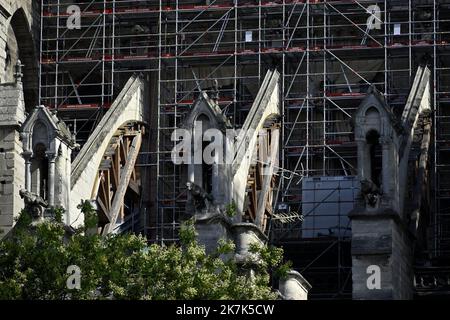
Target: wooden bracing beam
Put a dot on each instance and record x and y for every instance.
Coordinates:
(267, 176)
(111, 188)
(261, 178)
(131, 154)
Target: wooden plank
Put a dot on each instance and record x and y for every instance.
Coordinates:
(116, 168)
(274, 148)
(108, 189)
(105, 164)
(98, 179)
(124, 148)
(124, 182)
(103, 194)
(103, 208)
(111, 150)
(122, 212)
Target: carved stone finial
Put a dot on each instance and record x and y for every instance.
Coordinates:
(215, 91)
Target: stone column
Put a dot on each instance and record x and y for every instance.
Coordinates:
(361, 147)
(51, 178)
(27, 156)
(386, 174)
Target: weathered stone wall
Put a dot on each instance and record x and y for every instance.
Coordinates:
(402, 263)
(32, 15)
(11, 178)
(19, 38)
(382, 242)
(19, 31)
(12, 166)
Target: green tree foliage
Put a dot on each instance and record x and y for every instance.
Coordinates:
(34, 262)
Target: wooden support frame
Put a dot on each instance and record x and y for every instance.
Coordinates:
(262, 177)
(117, 177)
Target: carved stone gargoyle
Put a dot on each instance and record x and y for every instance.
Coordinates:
(34, 204)
(200, 198)
(370, 192)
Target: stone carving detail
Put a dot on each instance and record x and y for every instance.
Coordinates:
(34, 204)
(370, 192)
(201, 200)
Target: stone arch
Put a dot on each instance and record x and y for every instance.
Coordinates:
(40, 134)
(373, 118)
(20, 27)
(129, 108)
(203, 117)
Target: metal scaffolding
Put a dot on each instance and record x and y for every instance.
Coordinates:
(329, 53)
(84, 67)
